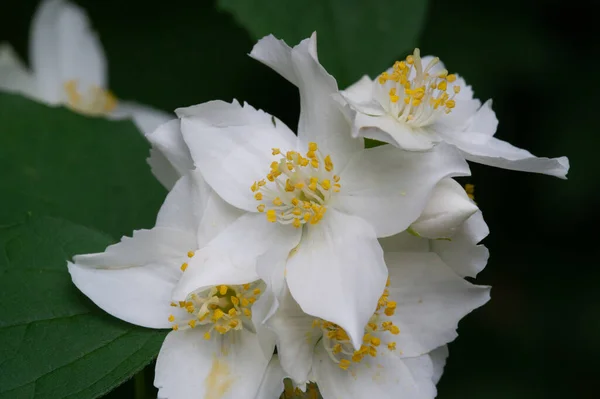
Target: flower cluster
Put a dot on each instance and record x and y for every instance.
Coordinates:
(350, 262)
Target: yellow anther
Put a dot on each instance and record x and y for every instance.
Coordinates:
(337, 348)
(456, 89)
(256, 291)
(247, 312)
(450, 104)
(296, 223)
(276, 151)
(328, 163)
(416, 102)
(234, 323)
(297, 212)
(295, 201)
(261, 208)
(245, 302)
(391, 305)
(173, 304)
(314, 163)
(234, 300)
(303, 162)
(410, 60)
(288, 186)
(183, 267)
(171, 318)
(311, 155)
(337, 187)
(175, 327)
(246, 287)
(373, 351)
(383, 78)
(192, 323)
(357, 357)
(232, 312)
(336, 178)
(218, 314)
(375, 341)
(312, 146)
(271, 216)
(207, 335)
(290, 166)
(258, 196)
(290, 155)
(306, 205)
(394, 330)
(223, 289)
(344, 364)
(251, 299)
(275, 165)
(393, 96)
(299, 186)
(443, 85)
(391, 346)
(277, 201)
(451, 78)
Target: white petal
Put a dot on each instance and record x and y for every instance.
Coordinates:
(277, 55)
(224, 367)
(193, 206)
(146, 118)
(231, 145)
(431, 299)
(388, 130)
(384, 377)
(296, 338)
(321, 118)
(162, 169)
(448, 208)
(14, 76)
(439, 357)
(484, 121)
(487, 150)
(168, 140)
(271, 386)
(405, 242)
(63, 47)
(462, 253)
(339, 259)
(139, 295)
(359, 97)
(230, 258)
(160, 245)
(389, 187)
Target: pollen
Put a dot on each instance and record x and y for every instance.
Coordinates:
(95, 101)
(416, 95)
(379, 331)
(297, 188)
(222, 308)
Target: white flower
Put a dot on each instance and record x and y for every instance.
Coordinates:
(69, 67)
(217, 348)
(320, 195)
(416, 104)
(418, 312)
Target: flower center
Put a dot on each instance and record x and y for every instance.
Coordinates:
(223, 308)
(338, 344)
(95, 101)
(417, 97)
(297, 188)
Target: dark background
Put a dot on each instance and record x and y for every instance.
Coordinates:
(539, 337)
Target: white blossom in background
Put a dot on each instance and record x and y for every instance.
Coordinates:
(417, 103)
(217, 347)
(402, 351)
(319, 198)
(68, 67)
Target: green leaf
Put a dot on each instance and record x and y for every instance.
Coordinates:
(90, 171)
(55, 343)
(355, 37)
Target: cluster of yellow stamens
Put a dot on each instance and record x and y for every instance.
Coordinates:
(470, 189)
(416, 96)
(297, 188)
(95, 101)
(224, 307)
(338, 344)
